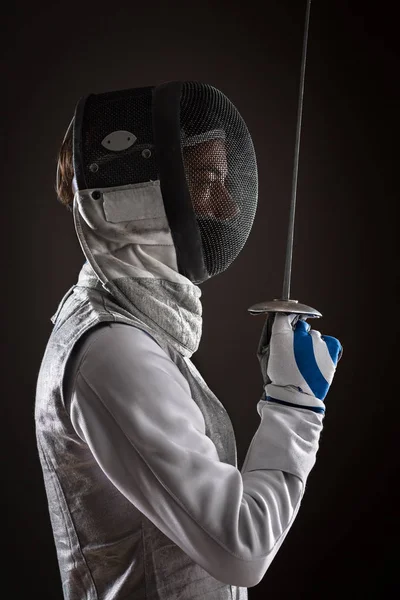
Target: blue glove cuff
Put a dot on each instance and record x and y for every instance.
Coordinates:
(317, 409)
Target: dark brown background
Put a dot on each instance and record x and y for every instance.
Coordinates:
(344, 540)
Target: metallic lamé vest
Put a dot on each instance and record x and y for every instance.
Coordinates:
(86, 510)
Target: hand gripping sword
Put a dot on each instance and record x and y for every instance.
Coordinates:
(286, 304)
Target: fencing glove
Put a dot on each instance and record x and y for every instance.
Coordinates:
(297, 362)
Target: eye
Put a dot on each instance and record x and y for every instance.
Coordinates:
(207, 176)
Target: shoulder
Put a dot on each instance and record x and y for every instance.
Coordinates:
(116, 352)
(114, 343)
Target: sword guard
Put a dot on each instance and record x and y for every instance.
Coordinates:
(284, 306)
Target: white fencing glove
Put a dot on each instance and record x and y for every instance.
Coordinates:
(297, 362)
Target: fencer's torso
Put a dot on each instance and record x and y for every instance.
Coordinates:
(139, 464)
(107, 548)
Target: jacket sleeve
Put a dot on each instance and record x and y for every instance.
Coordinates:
(132, 406)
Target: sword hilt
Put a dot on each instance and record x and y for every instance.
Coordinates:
(284, 306)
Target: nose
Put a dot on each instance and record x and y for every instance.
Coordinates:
(217, 203)
(225, 207)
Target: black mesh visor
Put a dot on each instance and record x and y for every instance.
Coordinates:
(217, 157)
(221, 172)
(98, 164)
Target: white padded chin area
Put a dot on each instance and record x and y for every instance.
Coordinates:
(126, 233)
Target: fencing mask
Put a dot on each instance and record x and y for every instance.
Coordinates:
(167, 165)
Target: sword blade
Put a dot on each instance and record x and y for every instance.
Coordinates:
(290, 238)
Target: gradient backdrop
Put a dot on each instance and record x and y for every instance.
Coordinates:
(344, 541)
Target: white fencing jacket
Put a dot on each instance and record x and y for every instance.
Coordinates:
(145, 497)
